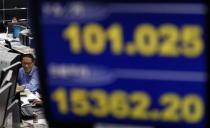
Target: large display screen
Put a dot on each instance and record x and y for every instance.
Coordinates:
(139, 64)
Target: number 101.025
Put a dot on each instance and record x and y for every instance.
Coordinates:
(167, 40)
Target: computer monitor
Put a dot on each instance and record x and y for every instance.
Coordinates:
(10, 74)
(4, 97)
(8, 44)
(12, 117)
(5, 49)
(7, 59)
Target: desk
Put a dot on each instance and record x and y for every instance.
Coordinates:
(24, 97)
(16, 44)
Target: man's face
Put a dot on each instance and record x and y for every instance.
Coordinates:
(27, 64)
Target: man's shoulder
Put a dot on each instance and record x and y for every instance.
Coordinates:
(21, 70)
(34, 69)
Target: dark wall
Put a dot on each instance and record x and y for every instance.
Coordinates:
(1, 4)
(14, 4)
(1, 12)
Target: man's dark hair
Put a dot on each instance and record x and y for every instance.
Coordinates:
(27, 55)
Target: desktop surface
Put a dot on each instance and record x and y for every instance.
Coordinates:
(25, 97)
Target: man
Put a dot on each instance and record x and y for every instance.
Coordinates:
(28, 74)
(14, 19)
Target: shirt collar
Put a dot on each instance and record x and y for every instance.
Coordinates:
(32, 70)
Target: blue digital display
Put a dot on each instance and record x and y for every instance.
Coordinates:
(139, 64)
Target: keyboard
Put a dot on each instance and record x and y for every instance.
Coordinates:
(27, 111)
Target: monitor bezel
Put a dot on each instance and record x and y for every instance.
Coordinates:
(6, 87)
